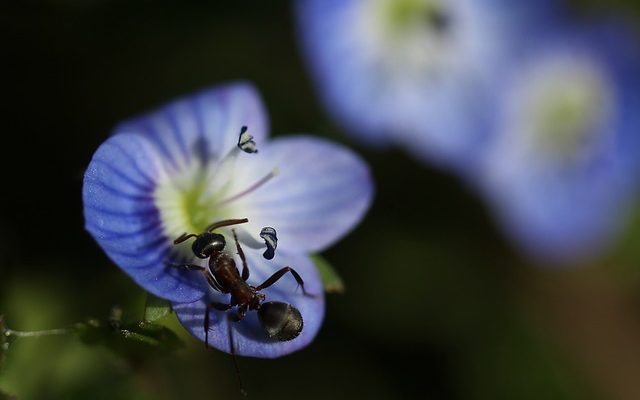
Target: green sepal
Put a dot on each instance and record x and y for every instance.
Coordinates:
(156, 308)
(330, 279)
(132, 340)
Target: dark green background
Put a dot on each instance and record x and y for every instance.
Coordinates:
(438, 304)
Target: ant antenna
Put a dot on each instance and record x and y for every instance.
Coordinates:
(226, 222)
(184, 237)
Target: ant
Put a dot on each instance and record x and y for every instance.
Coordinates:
(280, 321)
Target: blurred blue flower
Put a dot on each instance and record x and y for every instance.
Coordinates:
(421, 73)
(564, 163)
(179, 168)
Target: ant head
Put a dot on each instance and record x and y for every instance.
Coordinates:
(280, 321)
(206, 243)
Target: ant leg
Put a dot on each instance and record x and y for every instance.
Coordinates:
(194, 267)
(220, 306)
(274, 278)
(232, 350)
(245, 267)
(215, 306)
(241, 312)
(184, 237)
(188, 267)
(239, 316)
(214, 284)
(206, 327)
(226, 222)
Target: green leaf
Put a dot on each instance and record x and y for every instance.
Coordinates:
(156, 308)
(330, 279)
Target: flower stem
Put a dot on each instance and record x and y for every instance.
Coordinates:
(26, 334)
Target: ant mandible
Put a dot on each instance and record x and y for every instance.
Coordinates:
(281, 321)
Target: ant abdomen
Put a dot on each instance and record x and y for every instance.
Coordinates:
(280, 320)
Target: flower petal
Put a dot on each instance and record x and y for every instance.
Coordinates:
(120, 214)
(561, 217)
(248, 335)
(120, 209)
(562, 189)
(320, 192)
(204, 126)
(393, 77)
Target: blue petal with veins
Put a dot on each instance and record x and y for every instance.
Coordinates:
(179, 168)
(249, 337)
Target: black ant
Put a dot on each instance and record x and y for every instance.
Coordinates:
(280, 321)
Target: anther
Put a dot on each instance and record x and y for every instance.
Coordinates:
(246, 142)
(270, 240)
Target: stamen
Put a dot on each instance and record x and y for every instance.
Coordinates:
(246, 142)
(220, 173)
(251, 188)
(270, 240)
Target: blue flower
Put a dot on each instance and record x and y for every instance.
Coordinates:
(181, 167)
(564, 163)
(421, 73)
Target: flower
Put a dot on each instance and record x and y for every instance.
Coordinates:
(182, 167)
(564, 163)
(421, 73)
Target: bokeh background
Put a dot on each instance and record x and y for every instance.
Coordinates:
(438, 304)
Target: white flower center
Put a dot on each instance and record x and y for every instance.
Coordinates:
(200, 195)
(567, 104)
(414, 35)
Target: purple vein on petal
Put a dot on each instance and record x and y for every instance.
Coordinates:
(107, 234)
(151, 212)
(153, 262)
(154, 136)
(133, 163)
(177, 133)
(120, 193)
(142, 187)
(141, 250)
(201, 152)
(226, 99)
